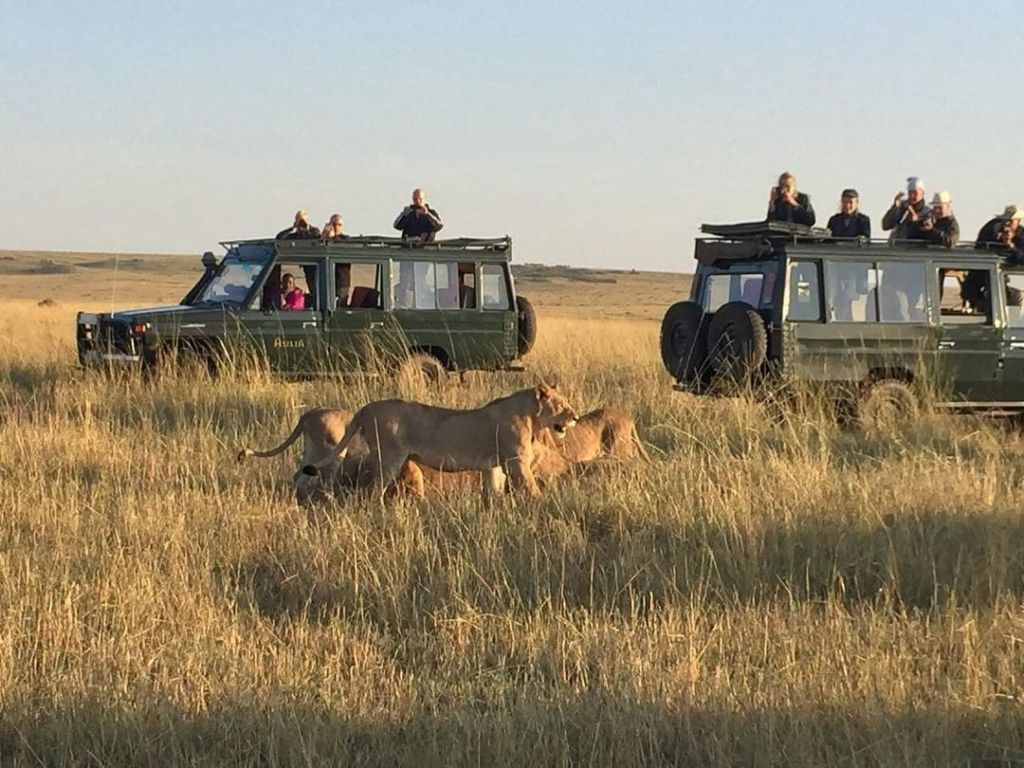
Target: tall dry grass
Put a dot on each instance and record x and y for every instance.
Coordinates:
(769, 590)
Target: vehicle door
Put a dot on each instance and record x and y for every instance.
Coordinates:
(284, 317)
(356, 332)
(969, 344)
(1012, 300)
(437, 307)
(875, 319)
(496, 340)
(419, 288)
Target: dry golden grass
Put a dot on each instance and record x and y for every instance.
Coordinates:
(768, 591)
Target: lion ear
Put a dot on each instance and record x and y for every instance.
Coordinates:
(541, 392)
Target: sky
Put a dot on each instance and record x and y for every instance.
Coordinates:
(595, 134)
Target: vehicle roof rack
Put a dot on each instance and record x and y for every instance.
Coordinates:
(773, 230)
(381, 241)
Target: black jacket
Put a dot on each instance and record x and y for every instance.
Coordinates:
(419, 222)
(991, 236)
(856, 224)
(801, 213)
(294, 233)
(902, 228)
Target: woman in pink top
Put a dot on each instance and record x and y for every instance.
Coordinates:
(291, 297)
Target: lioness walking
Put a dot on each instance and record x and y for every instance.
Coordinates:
(495, 440)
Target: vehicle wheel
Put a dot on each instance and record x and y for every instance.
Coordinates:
(527, 324)
(886, 403)
(684, 331)
(737, 342)
(425, 369)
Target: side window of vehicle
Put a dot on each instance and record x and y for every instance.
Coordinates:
(494, 287)
(804, 292)
(965, 296)
(901, 292)
(291, 287)
(1013, 285)
(456, 285)
(414, 285)
(357, 285)
(852, 292)
(724, 287)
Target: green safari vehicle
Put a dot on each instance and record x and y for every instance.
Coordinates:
(356, 303)
(875, 322)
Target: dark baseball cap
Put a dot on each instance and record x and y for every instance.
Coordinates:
(850, 193)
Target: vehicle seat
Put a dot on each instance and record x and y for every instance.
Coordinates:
(365, 298)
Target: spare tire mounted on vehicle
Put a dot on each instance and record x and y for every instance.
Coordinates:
(527, 323)
(737, 342)
(684, 331)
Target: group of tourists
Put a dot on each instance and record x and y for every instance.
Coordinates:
(417, 221)
(908, 218)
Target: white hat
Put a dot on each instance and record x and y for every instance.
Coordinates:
(942, 198)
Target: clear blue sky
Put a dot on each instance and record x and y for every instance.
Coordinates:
(596, 134)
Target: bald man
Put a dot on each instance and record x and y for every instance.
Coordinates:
(419, 221)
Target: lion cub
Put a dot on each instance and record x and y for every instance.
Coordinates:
(606, 431)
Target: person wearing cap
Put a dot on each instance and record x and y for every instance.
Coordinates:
(850, 222)
(300, 229)
(1003, 231)
(418, 221)
(907, 212)
(940, 225)
(334, 229)
(787, 204)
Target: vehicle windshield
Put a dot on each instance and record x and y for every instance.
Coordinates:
(232, 281)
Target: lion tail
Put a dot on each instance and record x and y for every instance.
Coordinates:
(247, 452)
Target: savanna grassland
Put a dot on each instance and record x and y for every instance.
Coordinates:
(769, 590)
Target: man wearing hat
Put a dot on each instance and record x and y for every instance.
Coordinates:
(1004, 231)
(940, 225)
(850, 222)
(300, 229)
(907, 212)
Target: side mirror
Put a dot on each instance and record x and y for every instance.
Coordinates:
(209, 260)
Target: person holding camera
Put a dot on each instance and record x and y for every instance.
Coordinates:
(940, 225)
(1005, 232)
(850, 222)
(907, 212)
(419, 221)
(299, 230)
(787, 204)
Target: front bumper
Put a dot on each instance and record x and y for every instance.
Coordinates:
(101, 342)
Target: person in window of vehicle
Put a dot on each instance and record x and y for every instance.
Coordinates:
(292, 298)
(940, 225)
(787, 204)
(299, 230)
(850, 222)
(419, 220)
(907, 212)
(1004, 231)
(334, 229)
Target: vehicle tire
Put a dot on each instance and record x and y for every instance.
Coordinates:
(684, 331)
(425, 369)
(526, 319)
(737, 342)
(886, 403)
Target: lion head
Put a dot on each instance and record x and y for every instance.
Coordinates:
(553, 411)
